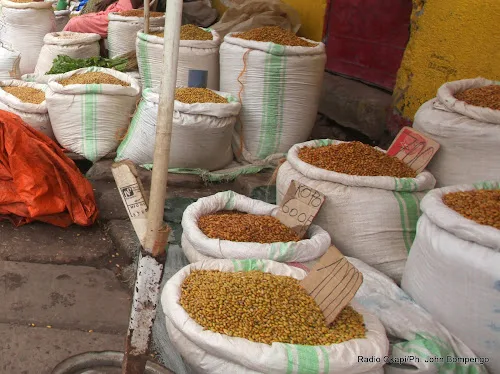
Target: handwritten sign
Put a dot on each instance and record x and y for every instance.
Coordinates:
(413, 148)
(299, 207)
(333, 283)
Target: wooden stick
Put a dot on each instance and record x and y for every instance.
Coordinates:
(150, 269)
(173, 20)
(146, 17)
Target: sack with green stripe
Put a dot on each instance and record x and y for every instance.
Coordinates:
(194, 241)
(35, 115)
(88, 119)
(469, 136)
(370, 218)
(414, 334)
(453, 271)
(122, 32)
(193, 55)
(211, 353)
(201, 133)
(279, 87)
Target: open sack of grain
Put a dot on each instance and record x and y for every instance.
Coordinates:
(372, 200)
(123, 28)
(198, 50)
(412, 331)
(9, 63)
(27, 100)
(89, 109)
(464, 119)
(454, 264)
(72, 44)
(217, 227)
(201, 135)
(278, 77)
(23, 27)
(217, 333)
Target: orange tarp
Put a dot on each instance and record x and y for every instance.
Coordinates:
(37, 181)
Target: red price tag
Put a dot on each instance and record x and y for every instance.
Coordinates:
(413, 148)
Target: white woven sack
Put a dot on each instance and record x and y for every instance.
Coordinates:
(9, 63)
(414, 334)
(453, 271)
(35, 115)
(201, 134)
(62, 19)
(370, 218)
(122, 32)
(23, 27)
(66, 43)
(280, 90)
(212, 353)
(193, 55)
(88, 119)
(469, 136)
(302, 251)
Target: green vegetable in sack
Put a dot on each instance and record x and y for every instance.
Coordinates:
(63, 64)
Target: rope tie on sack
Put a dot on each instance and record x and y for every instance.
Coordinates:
(242, 87)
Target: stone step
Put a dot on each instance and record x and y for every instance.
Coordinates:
(42, 243)
(63, 296)
(355, 105)
(37, 350)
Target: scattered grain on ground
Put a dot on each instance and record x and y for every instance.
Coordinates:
(264, 308)
(192, 95)
(481, 206)
(93, 78)
(243, 227)
(139, 13)
(276, 35)
(486, 97)
(356, 158)
(26, 94)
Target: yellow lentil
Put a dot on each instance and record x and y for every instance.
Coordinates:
(139, 13)
(192, 95)
(480, 206)
(486, 97)
(244, 227)
(93, 78)
(274, 34)
(190, 32)
(26, 94)
(356, 158)
(264, 308)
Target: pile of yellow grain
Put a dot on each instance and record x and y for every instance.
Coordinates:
(26, 94)
(139, 13)
(276, 35)
(193, 95)
(93, 78)
(190, 32)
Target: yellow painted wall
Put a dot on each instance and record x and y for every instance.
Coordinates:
(312, 16)
(450, 40)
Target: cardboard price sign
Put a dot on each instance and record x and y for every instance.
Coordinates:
(413, 148)
(333, 283)
(299, 207)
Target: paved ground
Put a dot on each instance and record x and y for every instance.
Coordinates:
(64, 291)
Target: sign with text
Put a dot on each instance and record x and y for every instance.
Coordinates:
(299, 207)
(413, 148)
(333, 283)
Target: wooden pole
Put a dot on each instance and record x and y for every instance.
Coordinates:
(146, 17)
(151, 261)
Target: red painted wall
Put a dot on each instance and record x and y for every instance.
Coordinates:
(366, 39)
